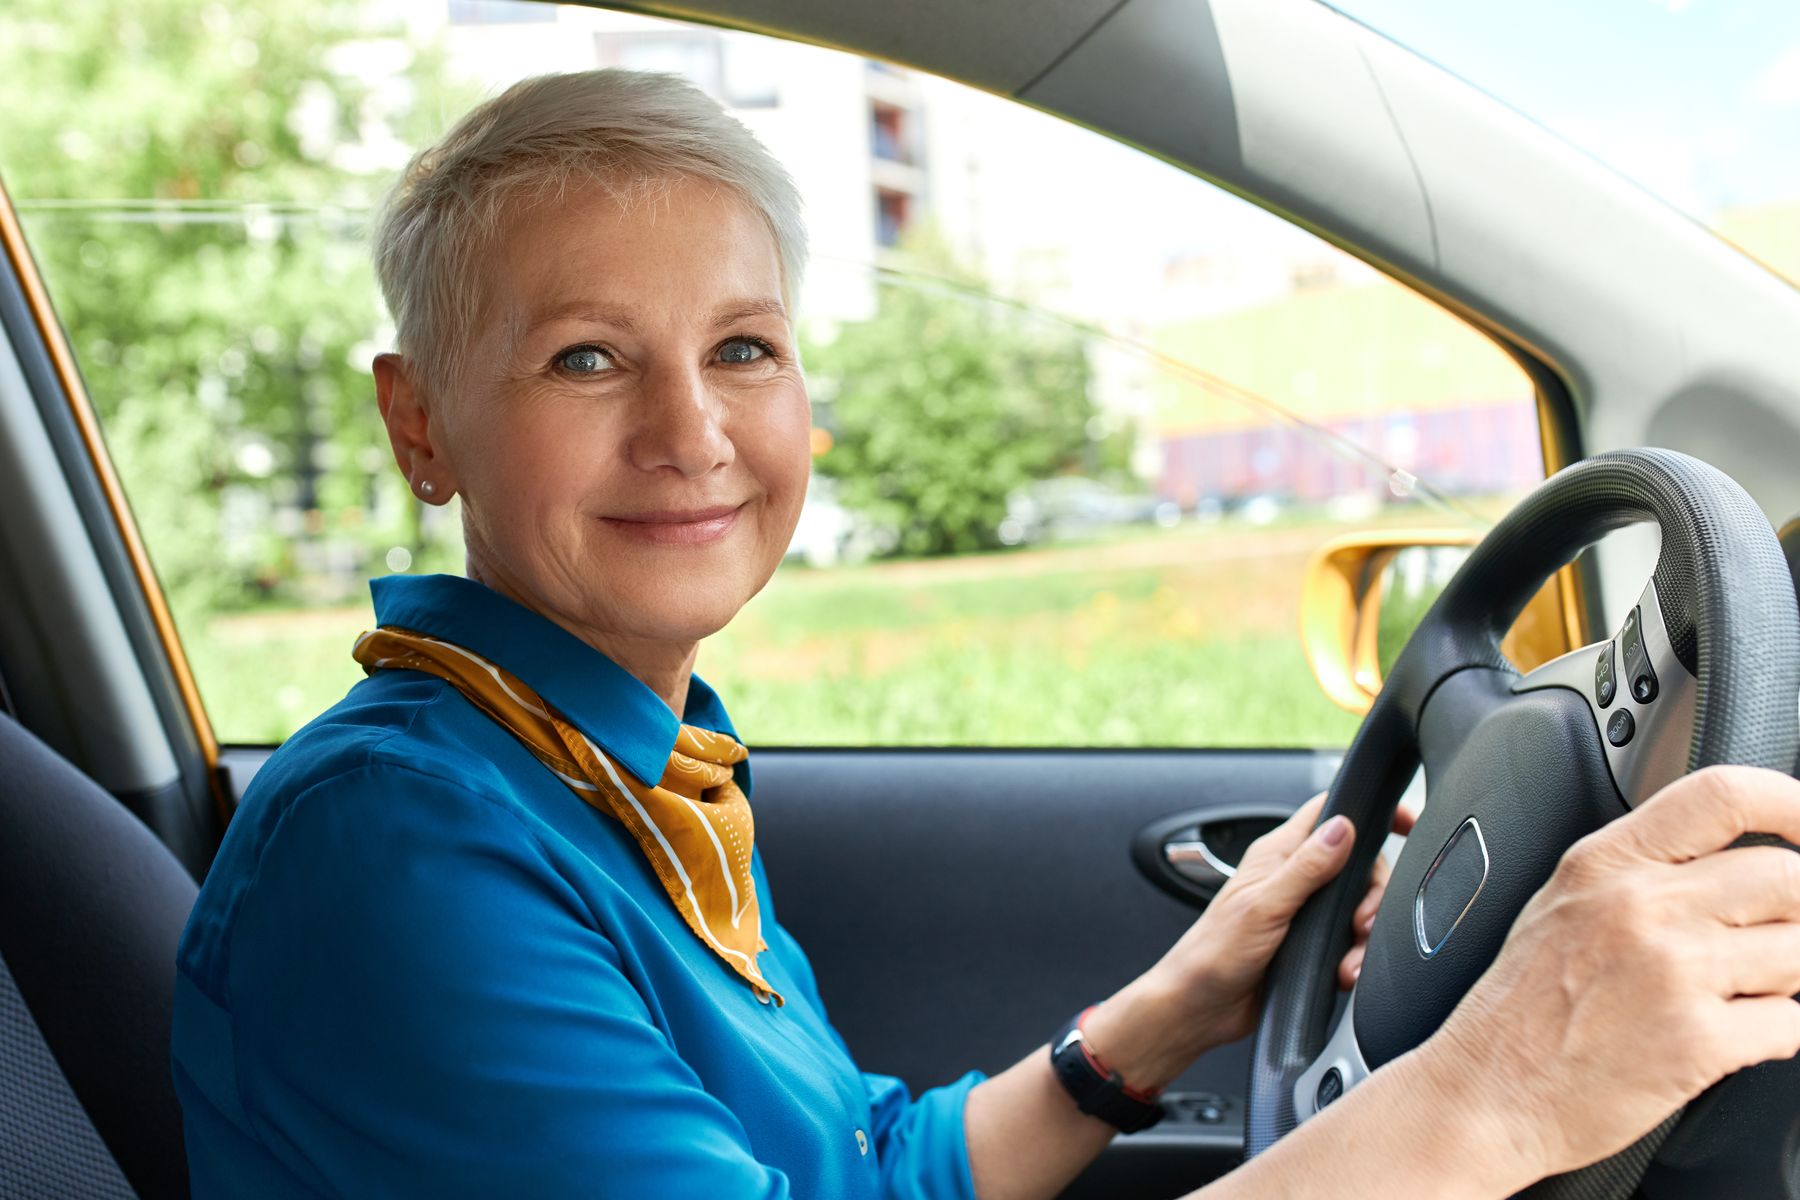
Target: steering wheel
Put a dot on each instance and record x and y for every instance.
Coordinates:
(1705, 670)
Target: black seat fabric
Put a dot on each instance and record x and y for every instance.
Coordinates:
(91, 908)
(47, 1145)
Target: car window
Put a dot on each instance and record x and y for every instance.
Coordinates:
(1694, 100)
(1080, 418)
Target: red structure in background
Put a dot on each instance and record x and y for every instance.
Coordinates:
(1468, 451)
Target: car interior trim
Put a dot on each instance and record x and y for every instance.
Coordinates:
(88, 698)
(68, 377)
(1559, 436)
(1429, 945)
(1341, 1054)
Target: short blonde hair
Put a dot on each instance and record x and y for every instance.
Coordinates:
(627, 130)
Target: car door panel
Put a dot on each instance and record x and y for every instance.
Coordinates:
(958, 905)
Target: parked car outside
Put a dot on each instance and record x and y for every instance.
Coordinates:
(1072, 506)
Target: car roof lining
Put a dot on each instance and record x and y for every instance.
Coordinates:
(984, 44)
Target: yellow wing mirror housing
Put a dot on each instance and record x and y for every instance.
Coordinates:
(1363, 595)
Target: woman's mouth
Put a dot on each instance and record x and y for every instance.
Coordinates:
(678, 527)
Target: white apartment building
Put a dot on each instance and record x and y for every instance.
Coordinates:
(848, 130)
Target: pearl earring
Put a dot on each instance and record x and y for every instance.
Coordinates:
(427, 488)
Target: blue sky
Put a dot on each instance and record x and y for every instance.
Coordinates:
(1699, 100)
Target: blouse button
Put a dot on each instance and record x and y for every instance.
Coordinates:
(862, 1143)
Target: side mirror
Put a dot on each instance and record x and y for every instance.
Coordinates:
(1364, 594)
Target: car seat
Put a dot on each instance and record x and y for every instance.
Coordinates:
(91, 908)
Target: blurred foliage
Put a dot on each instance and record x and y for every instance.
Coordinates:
(940, 406)
(1176, 637)
(195, 181)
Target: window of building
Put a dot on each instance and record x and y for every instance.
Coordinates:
(889, 133)
(893, 211)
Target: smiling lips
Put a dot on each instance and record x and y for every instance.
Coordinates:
(678, 527)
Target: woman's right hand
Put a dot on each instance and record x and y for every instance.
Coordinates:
(1655, 962)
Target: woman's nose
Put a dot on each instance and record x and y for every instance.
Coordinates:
(680, 424)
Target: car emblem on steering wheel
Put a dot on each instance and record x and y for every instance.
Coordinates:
(1449, 888)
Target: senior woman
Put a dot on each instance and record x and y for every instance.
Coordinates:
(494, 924)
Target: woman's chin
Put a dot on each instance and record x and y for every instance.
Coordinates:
(680, 593)
(678, 615)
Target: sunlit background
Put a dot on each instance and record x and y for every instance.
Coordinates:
(1080, 417)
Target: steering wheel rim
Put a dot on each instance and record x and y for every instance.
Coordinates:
(1720, 608)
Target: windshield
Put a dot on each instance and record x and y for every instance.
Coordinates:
(1696, 100)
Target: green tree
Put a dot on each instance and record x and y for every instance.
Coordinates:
(944, 403)
(190, 180)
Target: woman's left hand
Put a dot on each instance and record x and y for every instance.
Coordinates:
(1207, 990)
(1025, 1135)
(1220, 962)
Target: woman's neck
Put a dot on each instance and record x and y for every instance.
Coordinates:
(664, 667)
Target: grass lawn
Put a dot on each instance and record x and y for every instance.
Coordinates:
(1178, 638)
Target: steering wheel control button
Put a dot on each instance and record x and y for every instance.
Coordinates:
(1643, 686)
(1606, 684)
(1330, 1088)
(1631, 639)
(1620, 727)
(1450, 887)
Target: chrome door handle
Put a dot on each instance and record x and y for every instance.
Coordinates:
(1191, 855)
(1194, 859)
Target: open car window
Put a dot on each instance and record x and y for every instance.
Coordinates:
(1080, 418)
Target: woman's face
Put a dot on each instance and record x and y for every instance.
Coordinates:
(632, 437)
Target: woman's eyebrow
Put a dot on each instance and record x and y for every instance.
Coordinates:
(738, 310)
(728, 313)
(582, 310)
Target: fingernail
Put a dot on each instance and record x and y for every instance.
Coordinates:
(1356, 971)
(1367, 923)
(1335, 831)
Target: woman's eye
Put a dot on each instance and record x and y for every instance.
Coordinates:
(742, 350)
(583, 360)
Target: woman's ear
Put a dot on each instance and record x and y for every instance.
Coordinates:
(418, 451)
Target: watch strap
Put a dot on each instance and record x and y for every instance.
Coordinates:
(1097, 1089)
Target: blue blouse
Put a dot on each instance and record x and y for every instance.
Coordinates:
(421, 966)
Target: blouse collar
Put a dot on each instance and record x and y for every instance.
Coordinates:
(602, 699)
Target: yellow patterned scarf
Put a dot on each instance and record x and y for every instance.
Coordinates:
(694, 826)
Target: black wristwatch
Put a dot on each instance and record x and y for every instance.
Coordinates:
(1097, 1088)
